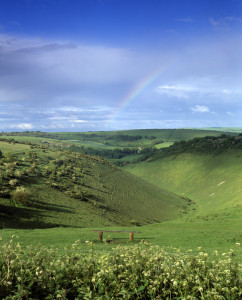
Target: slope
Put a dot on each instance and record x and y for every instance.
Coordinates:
(213, 181)
(62, 188)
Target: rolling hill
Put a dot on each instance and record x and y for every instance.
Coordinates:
(207, 170)
(76, 192)
(116, 146)
(63, 188)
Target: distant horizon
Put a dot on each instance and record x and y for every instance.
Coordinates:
(99, 65)
(134, 129)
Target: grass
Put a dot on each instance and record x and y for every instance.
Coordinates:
(212, 181)
(13, 148)
(149, 137)
(225, 129)
(80, 191)
(118, 198)
(30, 139)
(210, 236)
(163, 145)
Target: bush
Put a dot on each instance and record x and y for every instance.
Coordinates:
(21, 196)
(135, 272)
(13, 182)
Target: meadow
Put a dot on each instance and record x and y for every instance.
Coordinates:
(186, 205)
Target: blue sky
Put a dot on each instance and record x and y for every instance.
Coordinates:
(78, 65)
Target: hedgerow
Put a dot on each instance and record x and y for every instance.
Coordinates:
(132, 272)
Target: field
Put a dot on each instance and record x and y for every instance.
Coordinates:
(210, 236)
(13, 148)
(208, 187)
(188, 204)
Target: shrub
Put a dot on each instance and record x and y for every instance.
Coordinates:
(18, 173)
(134, 222)
(9, 157)
(13, 182)
(134, 272)
(21, 196)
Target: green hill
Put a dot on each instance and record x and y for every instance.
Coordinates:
(207, 170)
(72, 190)
(43, 188)
(116, 146)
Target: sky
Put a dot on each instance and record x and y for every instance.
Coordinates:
(90, 65)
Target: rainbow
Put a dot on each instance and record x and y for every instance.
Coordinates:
(135, 92)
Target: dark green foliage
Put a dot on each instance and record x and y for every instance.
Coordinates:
(205, 145)
(124, 137)
(115, 153)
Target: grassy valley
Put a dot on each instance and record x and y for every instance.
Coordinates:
(193, 181)
(211, 177)
(212, 182)
(207, 170)
(183, 194)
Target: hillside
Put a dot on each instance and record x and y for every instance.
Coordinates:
(122, 136)
(207, 170)
(206, 145)
(116, 146)
(44, 187)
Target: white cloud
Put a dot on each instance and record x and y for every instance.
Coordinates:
(178, 91)
(200, 109)
(80, 121)
(39, 70)
(24, 126)
(224, 22)
(68, 118)
(198, 87)
(78, 109)
(55, 84)
(227, 92)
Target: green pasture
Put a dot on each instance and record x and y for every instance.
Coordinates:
(210, 235)
(91, 144)
(30, 139)
(167, 135)
(225, 129)
(172, 135)
(156, 194)
(13, 148)
(163, 145)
